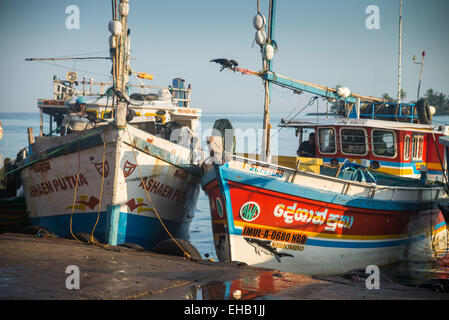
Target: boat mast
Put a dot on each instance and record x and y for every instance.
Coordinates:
(268, 67)
(400, 51)
(120, 59)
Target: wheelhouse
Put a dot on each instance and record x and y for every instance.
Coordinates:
(391, 147)
(158, 113)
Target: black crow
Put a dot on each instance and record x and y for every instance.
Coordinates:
(225, 63)
(234, 64)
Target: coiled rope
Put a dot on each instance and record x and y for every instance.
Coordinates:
(76, 188)
(186, 254)
(91, 238)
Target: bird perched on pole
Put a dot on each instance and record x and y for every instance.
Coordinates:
(225, 63)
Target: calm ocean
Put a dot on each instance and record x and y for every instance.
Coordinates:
(283, 142)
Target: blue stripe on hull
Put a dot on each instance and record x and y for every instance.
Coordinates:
(362, 244)
(131, 228)
(261, 182)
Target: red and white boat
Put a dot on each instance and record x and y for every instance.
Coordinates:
(304, 215)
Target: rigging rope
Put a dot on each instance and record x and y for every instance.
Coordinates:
(187, 255)
(75, 69)
(76, 188)
(91, 240)
(441, 259)
(279, 129)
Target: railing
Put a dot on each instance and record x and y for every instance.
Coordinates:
(403, 112)
(64, 90)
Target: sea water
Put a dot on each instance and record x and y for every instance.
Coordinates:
(247, 125)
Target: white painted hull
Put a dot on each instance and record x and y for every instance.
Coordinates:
(125, 211)
(315, 260)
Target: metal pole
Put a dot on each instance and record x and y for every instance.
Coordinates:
(266, 115)
(121, 73)
(400, 51)
(420, 74)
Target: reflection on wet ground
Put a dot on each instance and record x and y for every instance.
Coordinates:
(34, 268)
(248, 287)
(421, 271)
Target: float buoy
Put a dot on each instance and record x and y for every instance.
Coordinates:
(132, 246)
(83, 237)
(36, 231)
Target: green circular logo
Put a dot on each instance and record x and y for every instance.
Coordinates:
(250, 211)
(219, 207)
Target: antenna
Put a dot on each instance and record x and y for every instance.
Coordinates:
(67, 58)
(423, 54)
(400, 51)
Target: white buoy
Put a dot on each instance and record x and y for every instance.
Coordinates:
(124, 9)
(112, 41)
(261, 37)
(343, 92)
(115, 27)
(164, 94)
(432, 110)
(268, 51)
(259, 21)
(237, 294)
(445, 130)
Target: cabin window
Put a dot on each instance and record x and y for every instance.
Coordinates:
(353, 141)
(384, 143)
(417, 147)
(327, 140)
(407, 147)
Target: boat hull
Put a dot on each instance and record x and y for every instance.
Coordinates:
(264, 220)
(129, 191)
(13, 214)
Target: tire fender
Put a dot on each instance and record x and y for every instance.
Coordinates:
(169, 247)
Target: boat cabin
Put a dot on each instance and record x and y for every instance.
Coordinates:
(156, 110)
(397, 148)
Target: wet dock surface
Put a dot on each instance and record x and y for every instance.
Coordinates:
(35, 268)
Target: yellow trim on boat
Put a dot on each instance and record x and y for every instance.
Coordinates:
(329, 236)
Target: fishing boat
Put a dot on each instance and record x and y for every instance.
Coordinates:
(129, 170)
(302, 215)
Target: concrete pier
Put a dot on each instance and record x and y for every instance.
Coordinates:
(37, 268)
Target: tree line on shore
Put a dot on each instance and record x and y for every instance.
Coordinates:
(434, 98)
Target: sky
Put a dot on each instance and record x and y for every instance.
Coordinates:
(321, 41)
